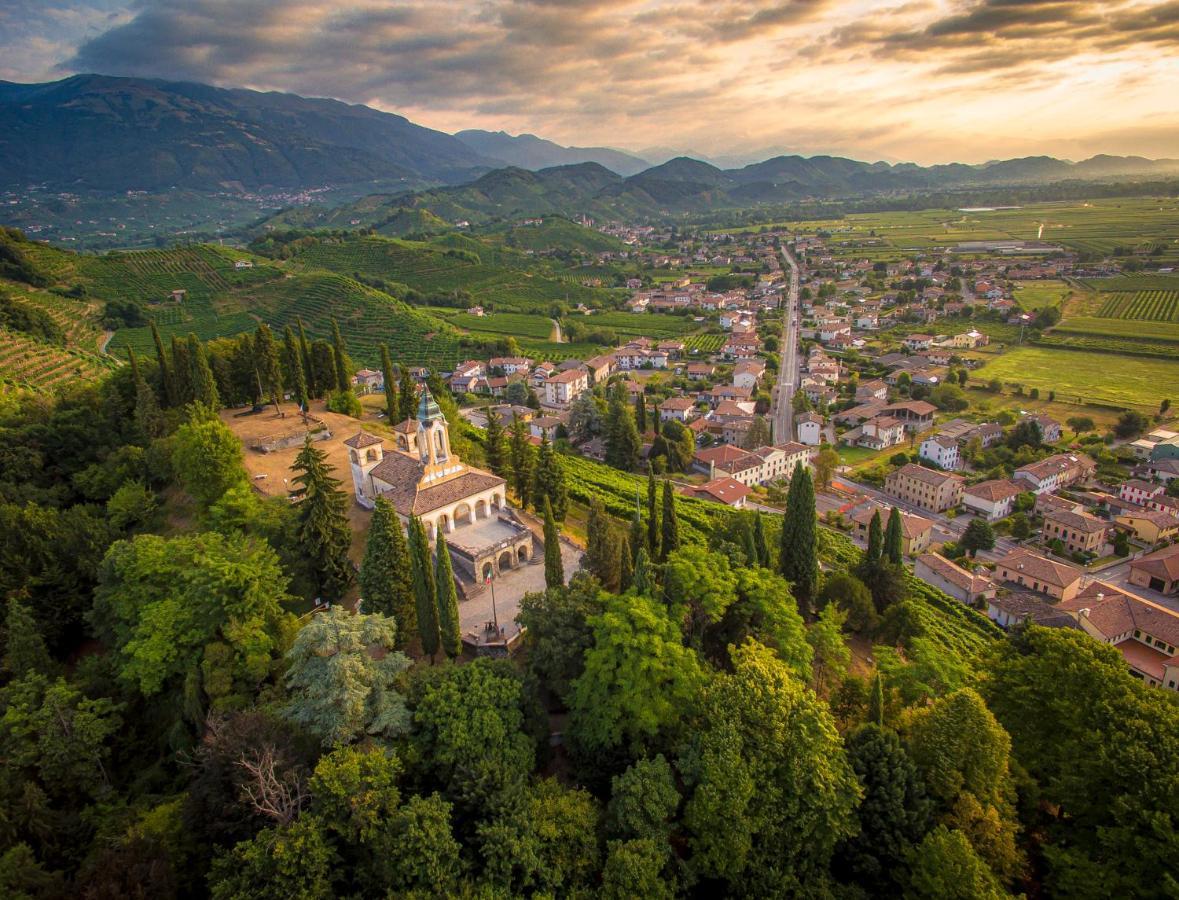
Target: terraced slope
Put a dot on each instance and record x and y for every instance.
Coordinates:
(28, 362)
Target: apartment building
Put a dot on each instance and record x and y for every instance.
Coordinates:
(926, 488)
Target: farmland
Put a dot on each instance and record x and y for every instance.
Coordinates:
(1152, 306)
(1083, 377)
(1033, 295)
(28, 362)
(652, 325)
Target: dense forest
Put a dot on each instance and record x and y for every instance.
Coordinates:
(693, 714)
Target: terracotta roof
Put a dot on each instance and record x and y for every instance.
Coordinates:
(362, 439)
(1077, 521)
(1040, 568)
(911, 526)
(1028, 606)
(1114, 611)
(403, 474)
(723, 490)
(409, 426)
(674, 403)
(994, 490)
(916, 407)
(1159, 517)
(1160, 564)
(928, 476)
(954, 573)
(569, 376)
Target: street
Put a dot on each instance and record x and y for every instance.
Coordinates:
(782, 418)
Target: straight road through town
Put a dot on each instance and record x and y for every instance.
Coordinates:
(788, 380)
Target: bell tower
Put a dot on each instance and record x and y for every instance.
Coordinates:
(433, 441)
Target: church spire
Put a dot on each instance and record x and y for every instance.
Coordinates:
(428, 409)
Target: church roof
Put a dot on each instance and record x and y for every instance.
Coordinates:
(428, 409)
(362, 439)
(403, 474)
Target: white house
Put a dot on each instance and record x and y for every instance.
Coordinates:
(991, 499)
(810, 428)
(565, 387)
(940, 450)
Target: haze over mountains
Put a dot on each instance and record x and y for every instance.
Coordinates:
(100, 133)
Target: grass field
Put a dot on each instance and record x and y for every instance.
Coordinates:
(1082, 377)
(1039, 294)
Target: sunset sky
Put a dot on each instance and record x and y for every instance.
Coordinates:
(924, 81)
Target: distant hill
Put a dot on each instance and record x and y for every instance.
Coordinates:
(527, 151)
(93, 132)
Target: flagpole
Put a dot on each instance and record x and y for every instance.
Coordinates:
(494, 616)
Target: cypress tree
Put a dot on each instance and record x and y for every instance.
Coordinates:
(392, 404)
(549, 481)
(670, 541)
(520, 451)
(496, 450)
(133, 363)
(323, 529)
(408, 395)
(181, 372)
(166, 381)
(798, 559)
(641, 414)
(147, 406)
(446, 599)
(626, 563)
(305, 352)
(622, 437)
(24, 647)
(554, 568)
(601, 558)
(875, 543)
(748, 544)
(876, 702)
(323, 368)
(893, 546)
(644, 578)
(343, 379)
(759, 541)
(266, 359)
(652, 516)
(638, 535)
(423, 588)
(294, 361)
(204, 388)
(386, 582)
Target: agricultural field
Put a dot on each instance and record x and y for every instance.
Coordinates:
(77, 318)
(1033, 295)
(1148, 305)
(1084, 378)
(704, 343)
(505, 324)
(652, 325)
(28, 362)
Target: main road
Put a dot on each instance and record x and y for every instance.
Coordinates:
(782, 420)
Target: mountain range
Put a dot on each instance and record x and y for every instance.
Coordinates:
(101, 133)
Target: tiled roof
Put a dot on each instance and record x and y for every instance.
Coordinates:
(724, 490)
(1114, 611)
(362, 439)
(403, 475)
(954, 573)
(1077, 521)
(1040, 568)
(1160, 564)
(994, 490)
(927, 476)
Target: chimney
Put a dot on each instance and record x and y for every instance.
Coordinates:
(1085, 612)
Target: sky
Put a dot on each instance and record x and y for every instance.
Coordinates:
(925, 81)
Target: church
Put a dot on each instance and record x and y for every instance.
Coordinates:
(422, 477)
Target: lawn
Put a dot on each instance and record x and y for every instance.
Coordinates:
(1039, 294)
(1121, 381)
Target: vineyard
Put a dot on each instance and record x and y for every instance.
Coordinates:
(1149, 305)
(704, 343)
(517, 325)
(76, 318)
(652, 325)
(27, 362)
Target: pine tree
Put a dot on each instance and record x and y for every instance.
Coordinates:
(24, 648)
(423, 588)
(554, 568)
(759, 541)
(893, 545)
(386, 582)
(294, 361)
(641, 414)
(644, 579)
(305, 352)
(622, 437)
(670, 539)
(204, 387)
(520, 453)
(798, 557)
(392, 403)
(876, 701)
(652, 516)
(266, 358)
(323, 529)
(875, 543)
(549, 480)
(343, 379)
(181, 372)
(496, 450)
(167, 384)
(446, 599)
(408, 395)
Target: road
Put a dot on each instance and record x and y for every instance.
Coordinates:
(782, 420)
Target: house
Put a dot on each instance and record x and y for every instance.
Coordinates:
(988, 434)
(565, 387)
(1144, 632)
(369, 381)
(871, 390)
(916, 414)
(963, 585)
(1140, 493)
(430, 481)
(1080, 532)
(1037, 573)
(541, 373)
(1013, 608)
(940, 450)
(1151, 526)
(918, 342)
(809, 426)
(544, 427)
(991, 499)
(475, 311)
(880, 433)
(722, 392)
(1158, 571)
(1049, 428)
(698, 371)
(916, 531)
(1143, 447)
(243, 264)
(926, 488)
(724, 490)
(1163, 469)
(511, 365)
(600, 367)
(857, 414)
(1055, 472)
(679, 408)
(748, 373)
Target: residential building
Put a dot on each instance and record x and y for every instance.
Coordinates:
(698, 371)
(1037, 573)
(809, 426)
(1013, 608)
(988, 434)
(871, 390)
(1049, 428)
(918, 342)
(679, 408)
(748, 373)
(881, 432)
(992, 499)
(1144, 632)
(1151, 526)
(368, 381)
(545, 426)
(961, 584)
(724, 490)
(916, 531)
(926, 488)
(1158, 571)
(565, 387)
(941, 450)
(916, 414)
(511, 364)
(728, 392)
(1055, 472)
(1080, 532)
(1140, 492)
(600, 368)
